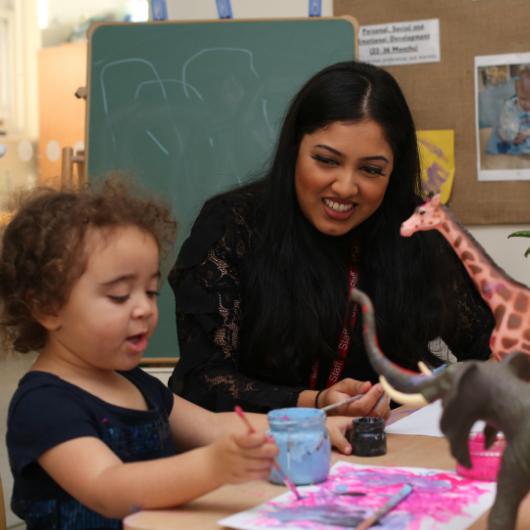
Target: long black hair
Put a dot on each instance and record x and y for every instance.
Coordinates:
(294, 287)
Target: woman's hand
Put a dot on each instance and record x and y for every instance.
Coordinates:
(372, 403)
(338, 428)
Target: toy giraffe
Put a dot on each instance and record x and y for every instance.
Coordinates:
(508, 299)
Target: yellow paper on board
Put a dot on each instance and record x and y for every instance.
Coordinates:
(437, 155)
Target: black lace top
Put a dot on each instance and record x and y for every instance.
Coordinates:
(206, 284)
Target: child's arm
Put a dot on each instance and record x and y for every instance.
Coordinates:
(192, 426)
(209, 425)
(88, 470)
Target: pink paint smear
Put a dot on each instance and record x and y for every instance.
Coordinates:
(353, 492)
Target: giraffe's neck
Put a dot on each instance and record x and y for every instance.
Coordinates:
(492, 283)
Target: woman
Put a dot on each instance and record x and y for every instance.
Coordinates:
(261, 285)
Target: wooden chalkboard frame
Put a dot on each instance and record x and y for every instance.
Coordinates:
(313, 51)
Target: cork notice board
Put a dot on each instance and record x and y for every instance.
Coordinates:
(442, 95)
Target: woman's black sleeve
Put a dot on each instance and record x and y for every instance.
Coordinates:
(206, 284)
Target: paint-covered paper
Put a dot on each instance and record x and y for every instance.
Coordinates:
(439, 499)
(437, 155)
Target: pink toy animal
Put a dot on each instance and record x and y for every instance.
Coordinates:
(508, 299)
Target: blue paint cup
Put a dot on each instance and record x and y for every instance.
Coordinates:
(302, 438)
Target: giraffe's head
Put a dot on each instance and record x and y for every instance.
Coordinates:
(425, 217)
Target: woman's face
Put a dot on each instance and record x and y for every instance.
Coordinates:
(342, 172)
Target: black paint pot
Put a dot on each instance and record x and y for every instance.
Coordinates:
(368, 437)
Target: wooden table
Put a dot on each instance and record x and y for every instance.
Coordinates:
(203, 513)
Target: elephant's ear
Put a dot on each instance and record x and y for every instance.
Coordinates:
(519, 365)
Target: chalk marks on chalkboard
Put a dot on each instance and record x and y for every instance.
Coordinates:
(208, 101)
(123, 61)
(270, 128)
(187, 62)
(168, 80)
(256, 103)
(157, 142)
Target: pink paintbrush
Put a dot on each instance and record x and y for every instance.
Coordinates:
(285, 479)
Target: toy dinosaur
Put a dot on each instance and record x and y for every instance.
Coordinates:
(497, 393)
(508, 299)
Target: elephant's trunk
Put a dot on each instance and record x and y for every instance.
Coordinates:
(399, 378)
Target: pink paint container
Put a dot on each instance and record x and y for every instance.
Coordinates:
(485, 463)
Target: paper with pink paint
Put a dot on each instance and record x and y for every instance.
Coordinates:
(439, 499)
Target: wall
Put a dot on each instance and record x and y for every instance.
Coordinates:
(18, 147)
(62, 115)
(507, 253)
(206, 9)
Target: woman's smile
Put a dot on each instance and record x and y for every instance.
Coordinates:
(339, 210)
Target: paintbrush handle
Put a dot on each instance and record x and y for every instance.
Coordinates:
(389, 505)
(285, 479)
(239, 411)
(351, 399)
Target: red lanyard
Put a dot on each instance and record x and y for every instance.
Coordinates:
(344, 342)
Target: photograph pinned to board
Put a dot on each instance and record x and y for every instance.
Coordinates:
(437, 156)
(353, 493)
(502, 101)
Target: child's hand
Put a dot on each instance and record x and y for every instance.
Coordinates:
(521, 137)
(242, 457)
(338, 427)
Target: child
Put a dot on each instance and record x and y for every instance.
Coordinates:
(91, 437)
(514, 120)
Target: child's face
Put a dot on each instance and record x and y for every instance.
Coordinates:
(112, 309)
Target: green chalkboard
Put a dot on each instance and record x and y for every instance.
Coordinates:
(191, 109)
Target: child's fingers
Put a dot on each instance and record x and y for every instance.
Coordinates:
(265, 453)
(250, 440)
(253, 469)
(256, 441)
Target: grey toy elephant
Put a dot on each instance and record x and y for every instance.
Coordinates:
(497, 393)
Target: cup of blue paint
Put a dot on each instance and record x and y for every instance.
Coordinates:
(302, 438)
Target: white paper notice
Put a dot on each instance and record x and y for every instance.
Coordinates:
(425, 421)
(410, 42)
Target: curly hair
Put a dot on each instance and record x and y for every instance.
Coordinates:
(42, 253)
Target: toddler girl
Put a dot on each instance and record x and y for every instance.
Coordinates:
(91, 437)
